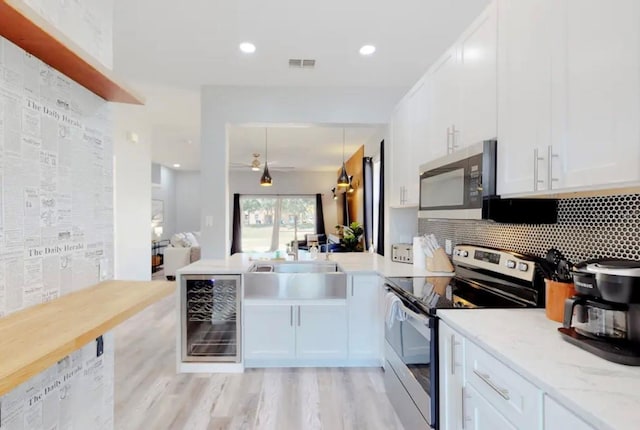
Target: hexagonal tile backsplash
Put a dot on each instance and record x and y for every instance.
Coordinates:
(591, 227)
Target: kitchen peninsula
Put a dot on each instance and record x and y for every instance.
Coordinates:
(338, 325)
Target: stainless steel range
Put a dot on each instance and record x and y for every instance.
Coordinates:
(484, 278)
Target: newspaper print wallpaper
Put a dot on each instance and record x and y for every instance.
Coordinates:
(56, 230)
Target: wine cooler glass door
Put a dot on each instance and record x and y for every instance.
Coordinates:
(211, 318)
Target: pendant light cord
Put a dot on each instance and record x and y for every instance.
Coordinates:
(266, 146)
(342, 145)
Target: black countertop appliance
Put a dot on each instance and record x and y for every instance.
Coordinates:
(604, 316)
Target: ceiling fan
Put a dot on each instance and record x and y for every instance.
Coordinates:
(256, 165)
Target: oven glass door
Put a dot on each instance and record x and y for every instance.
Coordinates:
(411, 341)
(455, 186)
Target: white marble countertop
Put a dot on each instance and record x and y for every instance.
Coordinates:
(350, 262)
(605, 394)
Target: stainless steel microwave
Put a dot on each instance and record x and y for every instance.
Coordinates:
(462, 185)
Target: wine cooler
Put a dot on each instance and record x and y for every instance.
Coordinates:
(211, 318)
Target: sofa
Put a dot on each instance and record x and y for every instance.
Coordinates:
(183, 249)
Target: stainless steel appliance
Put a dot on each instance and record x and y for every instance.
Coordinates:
(462, 185)
(402, 253)
(211, 330)
(484, 278)
(604, 316)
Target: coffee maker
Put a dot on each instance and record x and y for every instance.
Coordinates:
(604, 315)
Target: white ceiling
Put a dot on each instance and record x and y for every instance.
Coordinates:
(169, 49)
(308, 148)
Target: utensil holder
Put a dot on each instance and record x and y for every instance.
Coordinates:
(555, 295)
(439, 262)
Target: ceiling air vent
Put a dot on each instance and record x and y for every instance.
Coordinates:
(298, 63)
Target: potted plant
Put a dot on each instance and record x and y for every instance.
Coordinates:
(352, 237)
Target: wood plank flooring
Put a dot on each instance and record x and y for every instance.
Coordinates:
(150, 395)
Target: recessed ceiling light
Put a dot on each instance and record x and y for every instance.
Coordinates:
(247, 47)
(367, 50)
(176, 165)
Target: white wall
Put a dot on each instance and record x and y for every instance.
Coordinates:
(188, 201)
(166, 192)
(236, 105)
(248, 182)
(132, 194)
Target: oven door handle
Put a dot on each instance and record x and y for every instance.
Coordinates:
(421, 318)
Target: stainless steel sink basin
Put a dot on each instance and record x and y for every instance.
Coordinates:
(295, 280)
(295, 267)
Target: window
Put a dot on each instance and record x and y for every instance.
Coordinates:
(269, 221)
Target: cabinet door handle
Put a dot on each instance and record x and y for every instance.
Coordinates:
(453, 354)
(454, 145)
(291, 315)
(299, 317)
(550, 177)
(536, 161)
(351, 288)
(462, 409)
(503, 392)
(448, 141)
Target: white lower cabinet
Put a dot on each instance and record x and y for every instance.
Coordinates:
(557, 417)
(478, 391)
(365, 318)
(269, 331)
(320, 331)
(512, 395)
(287, 333)
(450, 373)
(480, 415)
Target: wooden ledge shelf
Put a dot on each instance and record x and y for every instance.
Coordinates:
(23, 26)
(36, 338)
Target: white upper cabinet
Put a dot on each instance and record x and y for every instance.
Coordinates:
(463, 85)
(419, 151)
(596, 101)
(477, 74)
(445, 102)
(568, 94)
(524, 94)
(400, 154)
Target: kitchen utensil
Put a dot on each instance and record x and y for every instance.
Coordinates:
(554, 257)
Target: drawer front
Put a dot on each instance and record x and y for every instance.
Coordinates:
(557, 417)
(513, 396)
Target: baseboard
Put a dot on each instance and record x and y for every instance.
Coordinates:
(255, 363)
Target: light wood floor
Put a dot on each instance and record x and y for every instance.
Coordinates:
(150, 395)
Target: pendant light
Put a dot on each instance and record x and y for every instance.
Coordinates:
(343, 179)
(265, 180)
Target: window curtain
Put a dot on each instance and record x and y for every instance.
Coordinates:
(367, 169)
(319, 215)
(236, 239)
(380, 244)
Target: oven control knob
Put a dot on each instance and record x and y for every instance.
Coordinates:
(511, 264)
(464, 253)
(523, 267)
